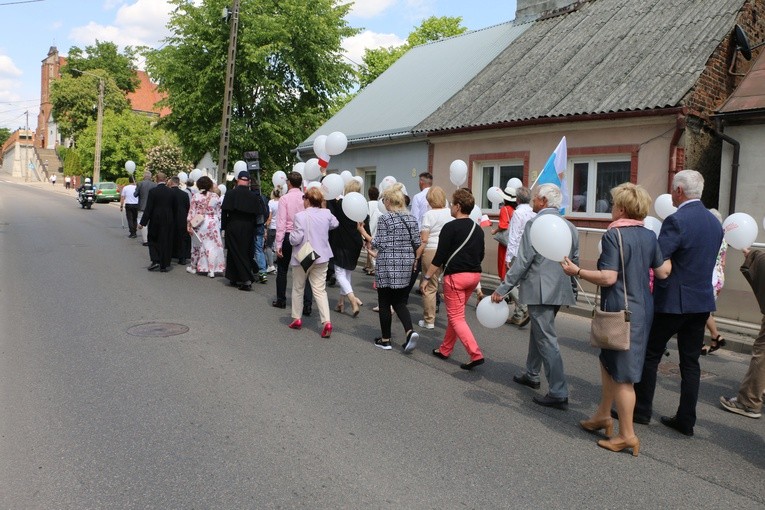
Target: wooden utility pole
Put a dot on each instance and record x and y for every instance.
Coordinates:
(227, 95)
(99, 132)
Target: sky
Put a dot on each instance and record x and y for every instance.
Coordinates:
(31, 27)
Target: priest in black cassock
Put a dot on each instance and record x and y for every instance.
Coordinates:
(160, 213)
(182, 241)
(238, 219)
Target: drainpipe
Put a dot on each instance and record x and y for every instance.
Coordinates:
(734, 163)
(680, 123)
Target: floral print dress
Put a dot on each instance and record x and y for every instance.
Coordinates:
(207, 246)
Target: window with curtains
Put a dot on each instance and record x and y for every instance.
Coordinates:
(494, 174)
(591, 181)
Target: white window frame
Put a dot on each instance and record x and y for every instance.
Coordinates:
(478, 167)
(592, 171)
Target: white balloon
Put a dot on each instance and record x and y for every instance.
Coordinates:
(183, 176)
(313, 184)
(319, 144)
(347, 176)
(514, 183)
(494, 194)
(299, 168)
(492, 315)
(551, 237)
(663, 206)
(284, 188)
(279, 178)
(222, 188)
(740, 230)
(475, 214)
(652, 224)
(381, 206)
(387, 182)
(332, 186)
(355, 206)
(312, 169)
(336, 143)
(458, 172)
(239, 166)
(360, 179)
(130, 167)
(196, 174)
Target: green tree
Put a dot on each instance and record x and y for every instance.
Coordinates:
(75, 101)
(106, 57)
(289, 71)
(5, 134)
(72, 164)
(378, 60)
(168, 159)
(126, 136)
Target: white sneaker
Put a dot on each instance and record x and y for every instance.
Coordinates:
(425, 325)
(211, 274)
(271, 269)
(191, 270)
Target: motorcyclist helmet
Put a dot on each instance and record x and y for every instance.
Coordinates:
(87, 180)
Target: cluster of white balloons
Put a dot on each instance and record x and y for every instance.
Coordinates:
(326, 146)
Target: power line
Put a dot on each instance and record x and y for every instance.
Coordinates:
(21, 2)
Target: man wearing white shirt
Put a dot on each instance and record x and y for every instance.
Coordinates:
(420, 201)
(129, 202)
(523, 213)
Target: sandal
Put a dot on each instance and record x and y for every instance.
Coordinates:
(715, 344)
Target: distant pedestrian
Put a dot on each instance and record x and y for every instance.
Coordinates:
(67, 182)
(207, 254)
(160, 213)
(53, 179)
(182, 241)
(129, 202)
(142, 192)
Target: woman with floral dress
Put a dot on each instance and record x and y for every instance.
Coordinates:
(206, 245)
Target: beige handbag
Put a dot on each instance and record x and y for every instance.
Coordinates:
(611, 330)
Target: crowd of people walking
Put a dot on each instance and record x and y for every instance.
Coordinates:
(655, 280)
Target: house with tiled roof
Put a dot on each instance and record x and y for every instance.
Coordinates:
(379, 121)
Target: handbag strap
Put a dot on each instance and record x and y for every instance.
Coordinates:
(400, 217)
(624, 274)
(461, 246)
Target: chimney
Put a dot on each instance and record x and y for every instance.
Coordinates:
(530, 10)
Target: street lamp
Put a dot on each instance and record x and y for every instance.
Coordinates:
(99, 125)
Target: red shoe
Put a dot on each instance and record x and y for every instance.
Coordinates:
(327, 331)
(296, 324)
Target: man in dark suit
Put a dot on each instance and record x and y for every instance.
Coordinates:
(690, 238)
(182, 240)
(160, 213)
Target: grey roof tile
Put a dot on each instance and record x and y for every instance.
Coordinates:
(607, 56)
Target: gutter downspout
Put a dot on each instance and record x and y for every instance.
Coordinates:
(680, 123)
(734, 163)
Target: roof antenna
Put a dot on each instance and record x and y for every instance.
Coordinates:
(742, 46)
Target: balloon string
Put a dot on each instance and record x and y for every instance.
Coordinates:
(589, 303)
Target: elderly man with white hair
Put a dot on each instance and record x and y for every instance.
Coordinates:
(544, 288)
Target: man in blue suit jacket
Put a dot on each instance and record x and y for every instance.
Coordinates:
(691, 238)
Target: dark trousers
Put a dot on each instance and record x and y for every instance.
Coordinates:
(131, 213)
(397, 299)
(282, 266)
(690, 339)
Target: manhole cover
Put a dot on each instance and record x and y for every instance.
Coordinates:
(158, 329)
(673, 370)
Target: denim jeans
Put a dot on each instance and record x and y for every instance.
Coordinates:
(260, 256)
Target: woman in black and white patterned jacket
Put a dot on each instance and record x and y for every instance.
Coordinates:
(397, 242)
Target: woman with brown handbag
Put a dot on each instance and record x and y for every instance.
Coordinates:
(639, 250)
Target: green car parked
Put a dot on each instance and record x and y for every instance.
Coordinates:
(107, 192)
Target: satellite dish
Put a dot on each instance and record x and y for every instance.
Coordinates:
(742, 42)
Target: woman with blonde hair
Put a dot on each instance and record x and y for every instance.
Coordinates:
(311, 225)
(432, 223)
(396, 242)
(346, 241)
(619, 370)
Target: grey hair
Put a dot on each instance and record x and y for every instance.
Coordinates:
(146, 174)
(691, 181)
(522, 195)
(552, 193)
(716, 214)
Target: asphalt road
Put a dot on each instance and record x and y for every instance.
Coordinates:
(242, 412)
